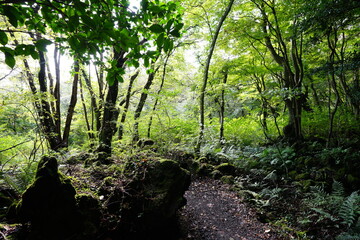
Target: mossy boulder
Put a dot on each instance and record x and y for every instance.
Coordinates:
(49, 204)
(226, 169)
(228, 179)
(156, 194)
(205, 169)
(89, 208)
(7, 198)
(165, 186)
(216, 174)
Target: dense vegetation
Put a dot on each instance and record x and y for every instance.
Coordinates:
(271, 87)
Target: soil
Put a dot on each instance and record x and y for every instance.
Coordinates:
(214, 212)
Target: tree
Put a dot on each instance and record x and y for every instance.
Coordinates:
(88, 29)
(205, 77)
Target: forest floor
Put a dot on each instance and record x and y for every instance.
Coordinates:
(214, 212)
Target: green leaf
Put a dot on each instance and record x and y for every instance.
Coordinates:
(156, 28)
(168, 45)
(110, 77)
(73, 23)
(41, 44)
(34, 54)
(146, 61)
(88, 21)
(160, 40)
(9, 59)
(169, 24)
(3, 38)
(13, 14)
(179, 26)
(22, 49)
(175, 33)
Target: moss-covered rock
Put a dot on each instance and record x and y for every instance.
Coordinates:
(165, 186)
(216, 174)
(7, 198)
(205, 169)
(89, 208)
(49, 204)
(226, 169)
(228, 179)
(154, 196)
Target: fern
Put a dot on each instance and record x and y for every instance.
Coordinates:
(346, 236)
(352, 234)
(338, 189)
(349, 209)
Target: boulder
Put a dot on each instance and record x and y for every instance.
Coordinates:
(205, 169)
(155, 196)
(226, 169)
(165, 186)
(49, 204)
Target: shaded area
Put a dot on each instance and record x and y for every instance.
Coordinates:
(213, 212)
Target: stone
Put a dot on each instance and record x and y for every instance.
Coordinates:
(226, 169)
(156, 194)
(205, 169)
(49, 204)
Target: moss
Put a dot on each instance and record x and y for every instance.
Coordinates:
(228, 179)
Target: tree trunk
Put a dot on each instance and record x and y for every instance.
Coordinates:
(291, 63)
(206, 74)
(86, 116)
(111, 113)
(222, 109)
(141, 103)
(72, 104)
(95, 110)
(45, 114)
(157, 94)
(126, 106)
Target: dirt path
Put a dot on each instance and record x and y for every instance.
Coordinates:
(213, 212)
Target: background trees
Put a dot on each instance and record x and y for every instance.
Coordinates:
(272, 57)
(284, 73)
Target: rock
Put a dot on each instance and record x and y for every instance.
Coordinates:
(89, 208)
(168, 183)
(49, 204)
(7, 198)
(226, 169)
(155, 196)
(216, 174)
(205, 169)
(228, 179)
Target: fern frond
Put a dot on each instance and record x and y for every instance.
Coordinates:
(347, 236)
(348, 210)
(337, 189)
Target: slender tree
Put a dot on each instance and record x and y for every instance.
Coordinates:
(206, 74)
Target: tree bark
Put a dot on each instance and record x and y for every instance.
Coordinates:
(95, 109)
(222, 108)
(86, 116)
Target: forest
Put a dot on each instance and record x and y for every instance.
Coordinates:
(118, 117)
